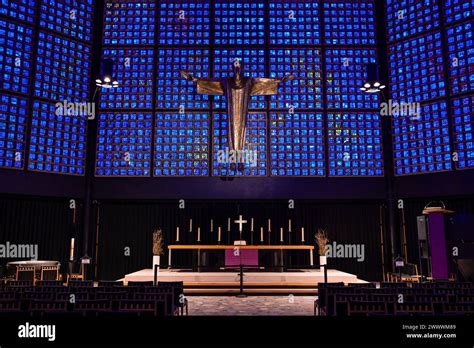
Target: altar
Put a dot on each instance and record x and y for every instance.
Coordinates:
(237, 249)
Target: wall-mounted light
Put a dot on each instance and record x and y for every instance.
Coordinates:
(106, 79)
(372, 83)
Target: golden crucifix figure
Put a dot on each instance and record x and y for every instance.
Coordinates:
(237, 89)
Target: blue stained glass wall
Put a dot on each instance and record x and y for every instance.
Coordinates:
(184, 23)
(134, 72)
(456, 10)
(416, 69)
(172, 91)
(20, 10)
(182, 144)
(349, 23)
(463, 129)
(460, 40)
(430, 65)
(62, 69)
(239, 23)
(421, 143)
(408, 18)
(16, 41)
(297, 144)
(57, 141)
(256, 146)
(72, 18)
(129, 22)
(294, 23)
(124, 141)
(355, 144)
(253, 64)
(13, 116)
(305, 91)
(345, 70)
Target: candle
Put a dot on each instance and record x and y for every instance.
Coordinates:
(302, 234)
(269, 225)
(281, 234)
(289, 225)
(261, 234)
(212, 225)
(72, 250)
(199, 234)
(228, 224)
(219, 234)
(190, 225)
(177, 234)
(251, 225)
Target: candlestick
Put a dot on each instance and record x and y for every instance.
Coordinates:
(281, 234)
(71, 257)
(269, 225)
(219, 234)
(261, 234)
(199, 234)
(302, 234)
(190, 225)
(177, 234)
(251, 225)
(212, 225)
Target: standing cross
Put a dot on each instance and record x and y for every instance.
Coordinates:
(240, 222)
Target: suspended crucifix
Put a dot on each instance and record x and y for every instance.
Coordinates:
(237, 89)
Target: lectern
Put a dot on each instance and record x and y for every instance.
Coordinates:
(437, 241)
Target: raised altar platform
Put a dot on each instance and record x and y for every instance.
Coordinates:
(292, 281)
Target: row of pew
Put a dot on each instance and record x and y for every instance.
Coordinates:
(83, 298)
(395, 299)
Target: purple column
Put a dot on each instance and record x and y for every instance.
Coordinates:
(439, 258)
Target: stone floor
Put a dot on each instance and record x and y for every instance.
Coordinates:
(251, 305)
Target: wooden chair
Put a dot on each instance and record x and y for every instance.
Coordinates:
(26, 273)
(49, 273)
(414, 309)
(408, 273)
(367, 308)
(77, 276)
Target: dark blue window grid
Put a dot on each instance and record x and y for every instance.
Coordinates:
(409, 18)
(21, 10)
(57, 141)
(297, 144)
(416, 69)
(13, 116)
(62, 68)
(124, 142)
(460, 47)
(345, 71)
(421, 144)
(463, 131)
(456, 10)
(294, 23)
(349, 23)
(183, 22)
(239, 22)
(305, 91)
(172, 91)
(129, 22)
(181, 144)
(354, 144)
(71, 18)
(134, 72)
(16, 41)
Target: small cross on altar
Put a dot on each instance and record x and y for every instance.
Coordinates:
(240, 222)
